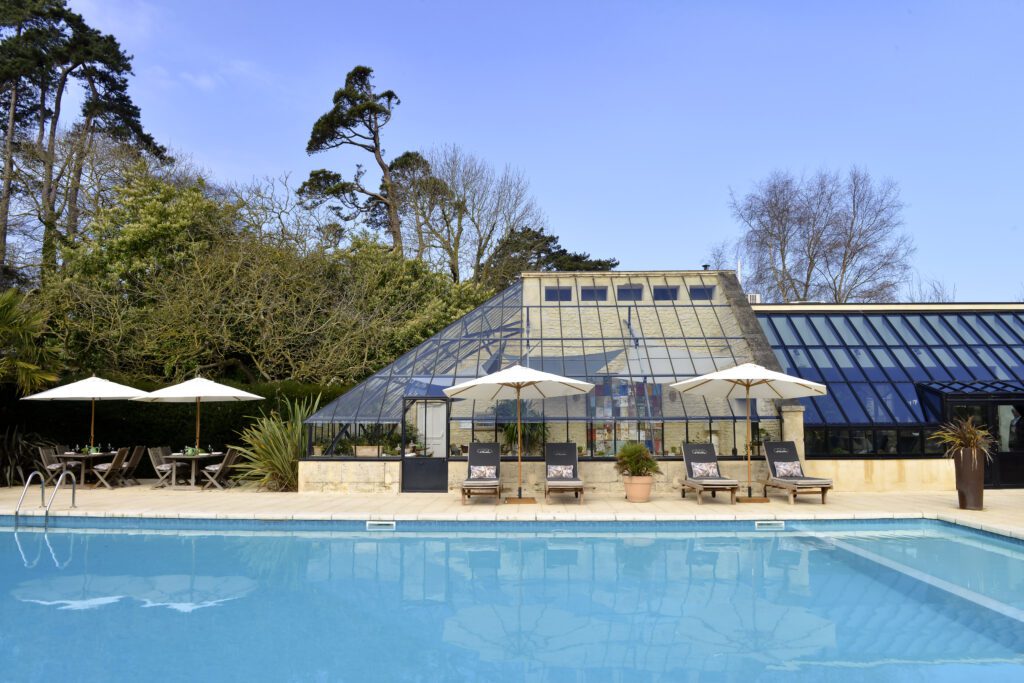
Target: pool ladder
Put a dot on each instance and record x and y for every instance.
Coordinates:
(42, 494)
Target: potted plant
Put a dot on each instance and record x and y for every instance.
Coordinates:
(969, 445)
(637, 467)
(318, 447)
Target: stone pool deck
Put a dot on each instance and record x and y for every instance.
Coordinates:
(1004, 511)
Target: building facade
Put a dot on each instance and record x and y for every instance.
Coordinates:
(894, 373)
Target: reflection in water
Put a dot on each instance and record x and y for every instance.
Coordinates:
(447, 606)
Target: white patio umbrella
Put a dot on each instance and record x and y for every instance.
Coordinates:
(750, 381)
(198, 390)
(92, 389)
(517, 383)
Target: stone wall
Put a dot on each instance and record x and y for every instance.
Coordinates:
(867, 476)
(382, 476)
(349, 476)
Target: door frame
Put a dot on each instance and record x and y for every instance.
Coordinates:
(997, 471)
(419, 474)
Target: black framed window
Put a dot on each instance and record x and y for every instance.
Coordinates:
(593, 294)
(558, 294)
(702, 292)
(630, 293)
(665, 293)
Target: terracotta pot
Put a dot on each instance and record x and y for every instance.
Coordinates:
(638, 489)
(970, 478)
(318, 450)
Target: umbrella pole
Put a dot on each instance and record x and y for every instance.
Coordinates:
(749, 487)
(519, 431)
(92, 425)
(197, 423)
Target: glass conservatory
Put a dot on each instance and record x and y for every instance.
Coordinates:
(630, 334)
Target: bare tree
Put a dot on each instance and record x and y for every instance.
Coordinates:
(456, 207)
(828, 237)
(930, 290)
(722, 255)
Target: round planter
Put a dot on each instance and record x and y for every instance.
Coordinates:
(638, 489)
(970, 478)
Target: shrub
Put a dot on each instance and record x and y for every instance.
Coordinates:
(634, 460)
(273, 444)
(964, 434)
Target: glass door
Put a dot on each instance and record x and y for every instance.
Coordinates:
(1004, 421)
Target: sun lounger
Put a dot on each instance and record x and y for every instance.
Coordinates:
(785, 472)
(484, 472)
(110, 473)
(702, 473)
(562, 470)
(217, 473)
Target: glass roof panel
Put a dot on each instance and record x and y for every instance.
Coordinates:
(905, 350)
(630, 352)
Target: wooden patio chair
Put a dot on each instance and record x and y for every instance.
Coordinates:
(110, 473)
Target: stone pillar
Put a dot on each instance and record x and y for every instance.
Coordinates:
(793, 425)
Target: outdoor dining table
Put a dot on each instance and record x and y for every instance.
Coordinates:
(88, 460)
(194, 459)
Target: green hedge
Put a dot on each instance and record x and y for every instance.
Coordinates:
(126, 423)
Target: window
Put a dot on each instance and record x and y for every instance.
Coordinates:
(558, 294)
(630, 293)
(702, 292)
(665, 293)
(593, 294)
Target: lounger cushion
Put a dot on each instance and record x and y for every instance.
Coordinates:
(480, 483)
(714, 481)
(565, 483)
(803, 481)
(788, 469)
(704, 469)
(483, 471)
(559, 471)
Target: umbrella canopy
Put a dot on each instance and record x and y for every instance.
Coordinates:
(198, 390)
(749, 381)
(92, 389)
(517, 383)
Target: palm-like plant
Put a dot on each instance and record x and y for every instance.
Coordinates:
(273, 445)
(23, 358)
(960, 435)
(634, 460)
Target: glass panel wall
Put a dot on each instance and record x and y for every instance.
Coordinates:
(631, 335)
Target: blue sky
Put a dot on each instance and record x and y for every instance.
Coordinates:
(633, 121)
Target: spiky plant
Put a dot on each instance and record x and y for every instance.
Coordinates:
(962, 434)
(273, 445)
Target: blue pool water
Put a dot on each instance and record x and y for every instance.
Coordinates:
(915, 601)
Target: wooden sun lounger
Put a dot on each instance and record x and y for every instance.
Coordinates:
(784, 452)
(562, 454)
(705, 453)
(482, 455)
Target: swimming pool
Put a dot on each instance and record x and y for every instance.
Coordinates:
(191, 600)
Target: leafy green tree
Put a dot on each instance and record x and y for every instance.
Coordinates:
(24, 358)
(27, 31)
(47, 48)
(355, 120)
(534, 250)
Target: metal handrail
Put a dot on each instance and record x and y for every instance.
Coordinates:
(42, 493)
(60, 480)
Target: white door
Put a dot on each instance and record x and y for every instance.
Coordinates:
(433, 426)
